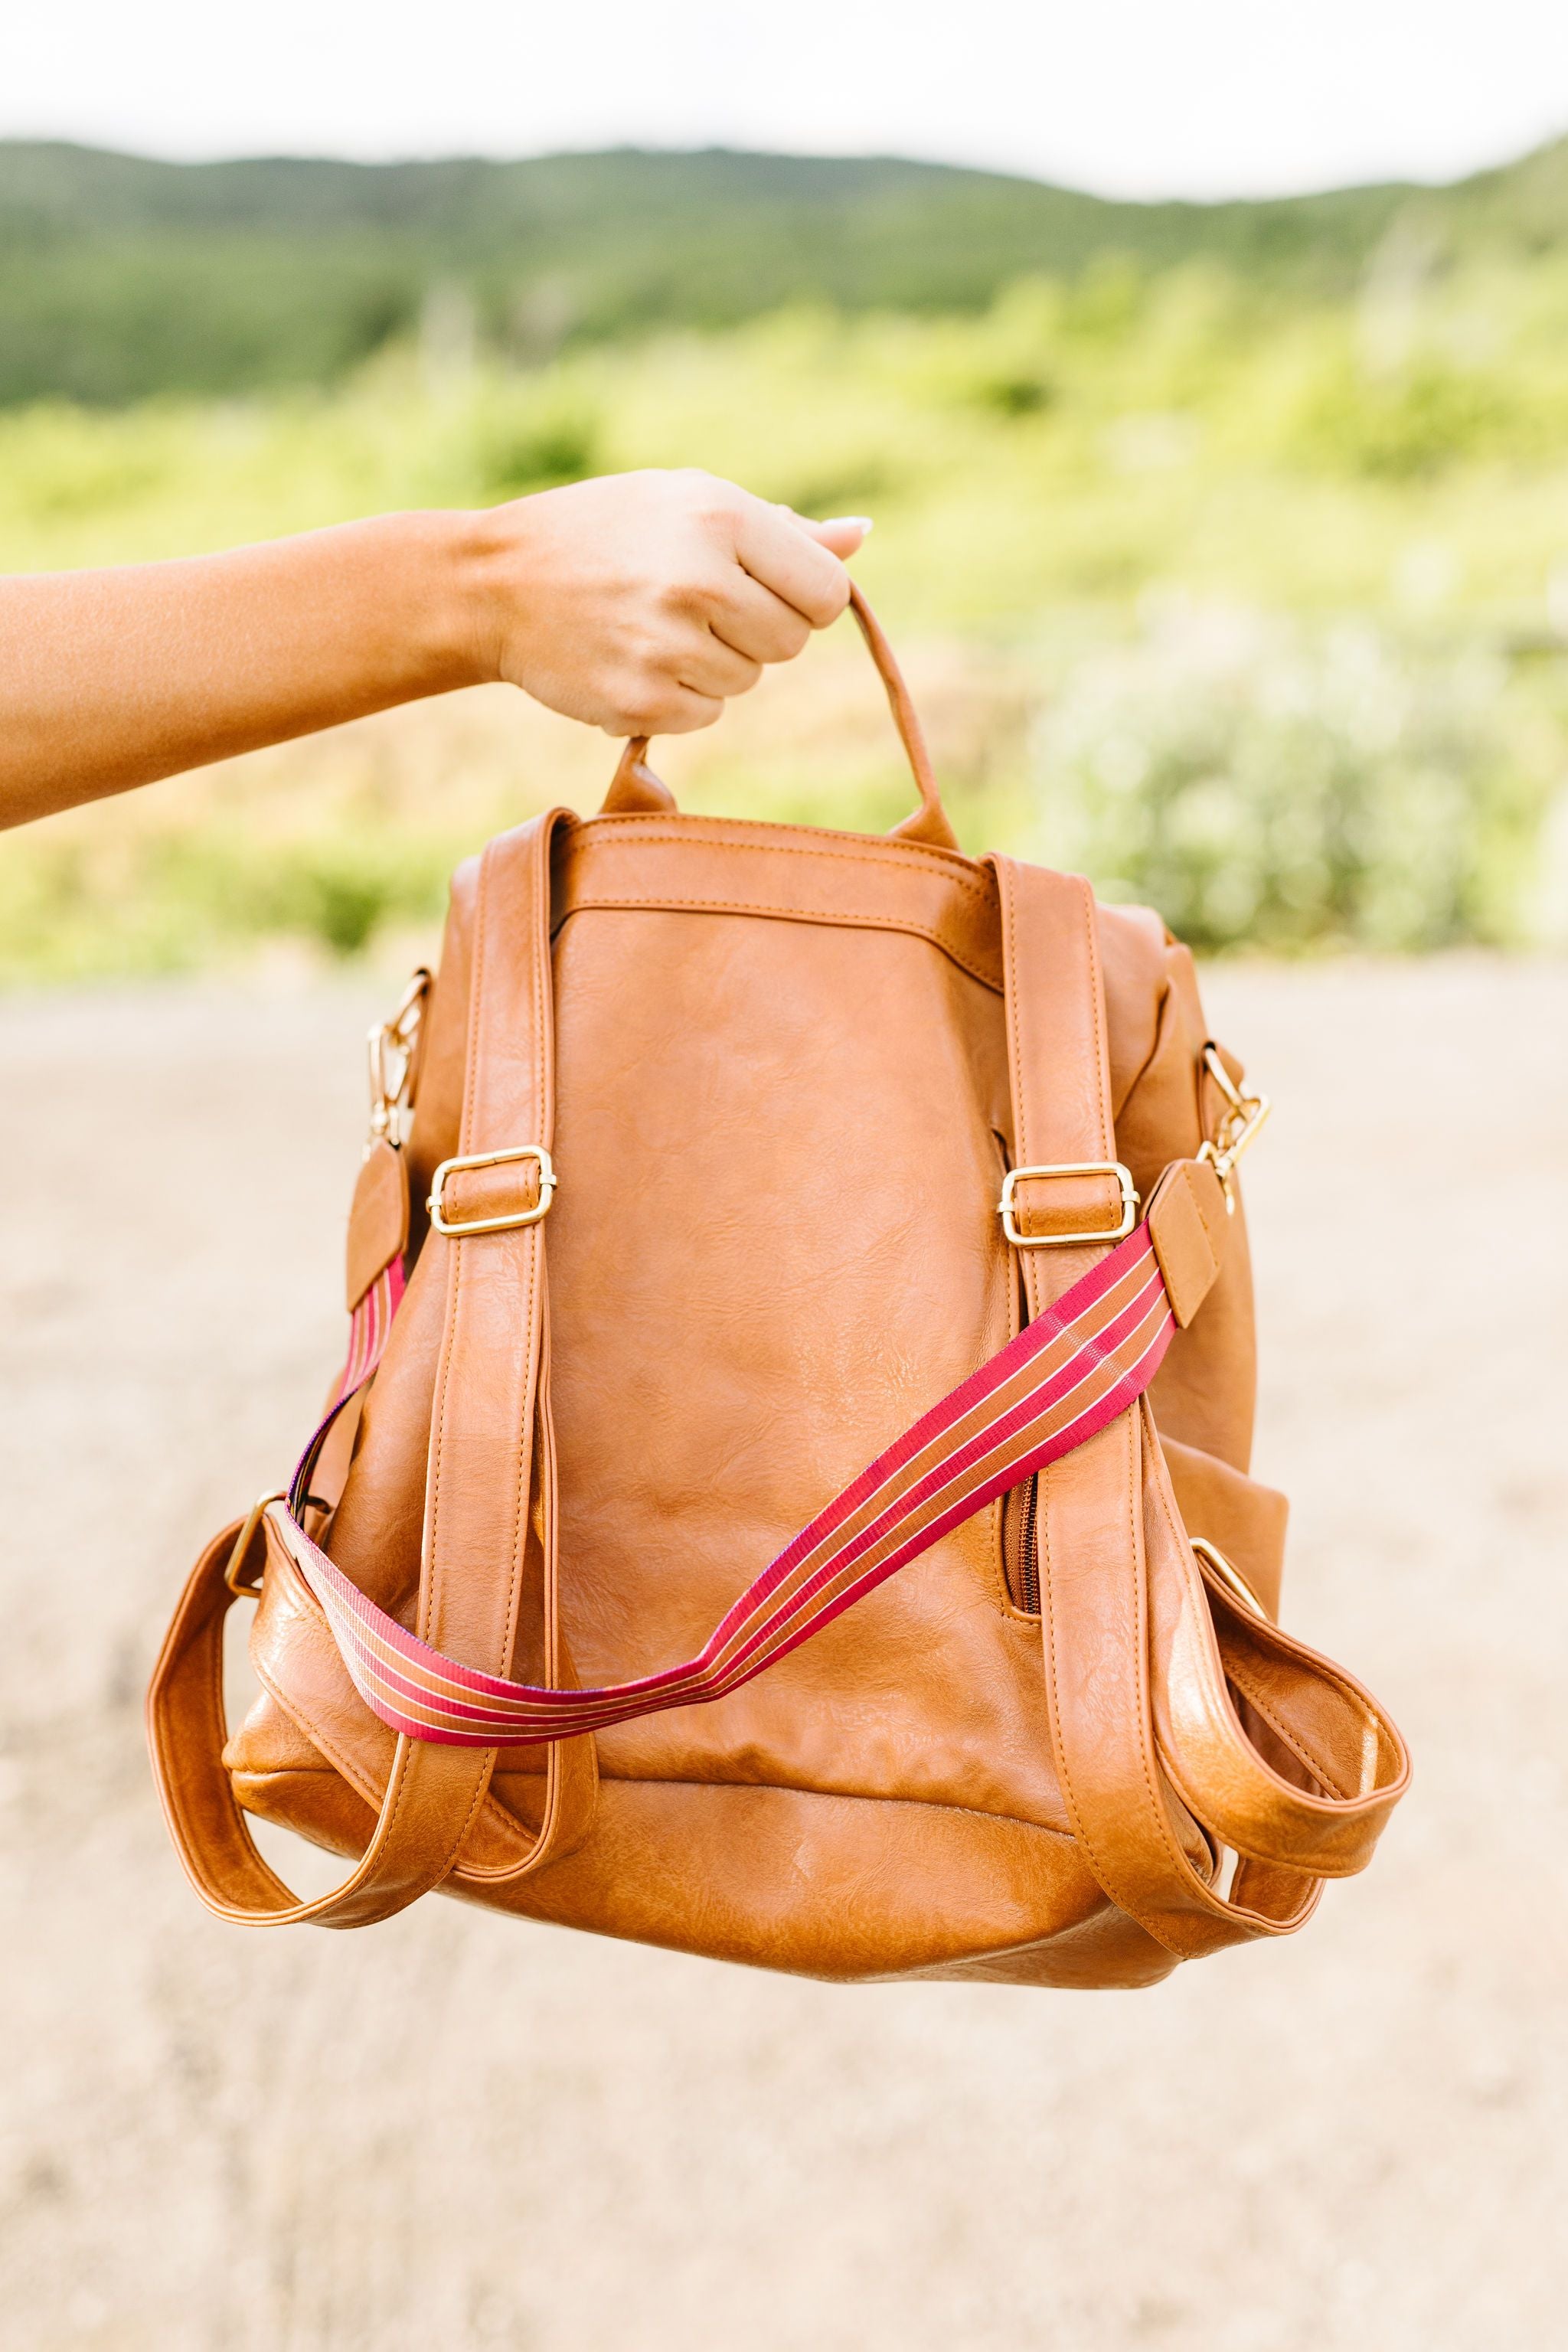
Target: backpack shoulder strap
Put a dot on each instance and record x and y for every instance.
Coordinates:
(1144, 1645)
(486, 1413)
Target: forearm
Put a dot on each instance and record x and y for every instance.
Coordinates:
(636, 602)
(110, 679)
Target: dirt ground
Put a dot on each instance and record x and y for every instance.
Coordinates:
(456, 2131)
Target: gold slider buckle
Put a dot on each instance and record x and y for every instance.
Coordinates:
(1238, 1129)
(1117, 1232)
(534, 1152)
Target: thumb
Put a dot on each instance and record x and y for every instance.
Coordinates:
(842, 535)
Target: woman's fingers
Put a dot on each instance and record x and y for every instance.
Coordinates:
(780, 553)
(682, 711)
(842, 535)
(660, 705)
(757, 623)
(715, 667)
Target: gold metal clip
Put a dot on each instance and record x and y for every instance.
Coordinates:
(394, 1064)
(1238, 1129)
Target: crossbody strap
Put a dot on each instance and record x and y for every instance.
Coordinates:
(1081, 1365)
(1070, 1373)
(483, 1504)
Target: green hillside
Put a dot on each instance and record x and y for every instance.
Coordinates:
(1228, 545)
(123, 277)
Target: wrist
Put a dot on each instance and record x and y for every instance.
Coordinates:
(483, 564)
(441, 564)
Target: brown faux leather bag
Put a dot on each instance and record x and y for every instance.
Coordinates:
(782, 1312)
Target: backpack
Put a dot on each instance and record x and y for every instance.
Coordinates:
(787, 1497)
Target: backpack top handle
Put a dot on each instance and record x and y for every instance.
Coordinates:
(635, 789)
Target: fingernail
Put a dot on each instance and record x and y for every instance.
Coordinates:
(863, 523)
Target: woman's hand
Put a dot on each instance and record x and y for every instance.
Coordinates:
(639, 601)
(636, 604)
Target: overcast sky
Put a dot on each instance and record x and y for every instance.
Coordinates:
(1133, 97)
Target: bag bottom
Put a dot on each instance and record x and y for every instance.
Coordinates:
(847, 1889)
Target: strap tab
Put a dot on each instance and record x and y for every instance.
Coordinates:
(1187, 1216)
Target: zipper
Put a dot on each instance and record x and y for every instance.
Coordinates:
(1029, 1556)
(1020, 1505)
(1020, 1545)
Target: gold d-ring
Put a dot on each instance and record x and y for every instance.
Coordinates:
(1229, 1575)
(243, 1542)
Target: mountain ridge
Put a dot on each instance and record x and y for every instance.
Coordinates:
(123, 277)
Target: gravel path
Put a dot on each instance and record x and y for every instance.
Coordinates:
(454, 2132)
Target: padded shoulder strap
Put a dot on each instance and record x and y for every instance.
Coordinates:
(483, 1445)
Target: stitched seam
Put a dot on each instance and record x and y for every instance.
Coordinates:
(469, 1817)
(465, 1137)
(828, 1795)
(1249, 1688)
(1096, 1007)
(887, 854)
(831, 921)
(1010, 990)
(509, 1821)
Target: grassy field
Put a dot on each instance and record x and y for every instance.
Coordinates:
(1250, 601)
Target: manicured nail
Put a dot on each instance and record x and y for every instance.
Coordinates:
(863, 523)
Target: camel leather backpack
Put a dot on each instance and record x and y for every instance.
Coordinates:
(787, 1497)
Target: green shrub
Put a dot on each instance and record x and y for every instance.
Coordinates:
(523, 452)
(1265, 784)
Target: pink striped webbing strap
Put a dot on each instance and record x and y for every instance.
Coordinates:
(1068, 1373)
